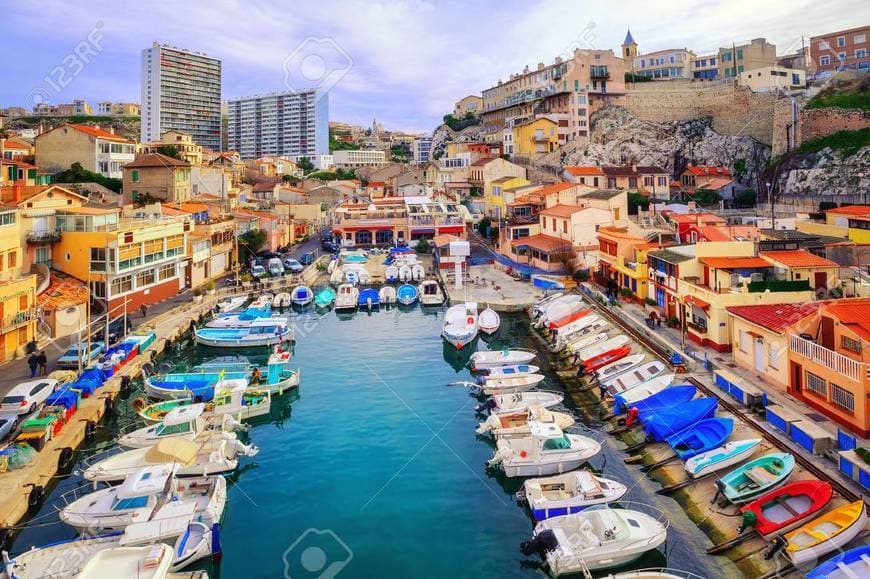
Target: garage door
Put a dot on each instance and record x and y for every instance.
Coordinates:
(218, 264)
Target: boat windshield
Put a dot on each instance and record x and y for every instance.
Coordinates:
(130, 503)
(562, 443)
(170, 429)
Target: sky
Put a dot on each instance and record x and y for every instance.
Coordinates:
(404, 62)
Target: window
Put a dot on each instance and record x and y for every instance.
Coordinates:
(122, 285)
(632, 182)
(841, 56)
(773, 356)
(647, 181)
(744, 341)
(134, 176)
(841, 41)
(663, 181)
(860, 53)
(825, 60)
(12, 259)
(145, 278)
(842, 398)
(98, 259)
(859, 39)
(712, 62)
(565, 226)
(7, 218)
(851, 344)
(739, 54)
(817, 385)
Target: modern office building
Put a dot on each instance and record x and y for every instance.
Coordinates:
(282, 124)
(181, 91)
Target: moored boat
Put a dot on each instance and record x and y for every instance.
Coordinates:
(521, 401)
(430, 293)
(594, 350)
(547, 450)
(324, 298)
(231, 303)
(387, 295)
(850, 564)
(488, 321)
(391, 273)
(640, 391)
(605, 358)
(580, 341)
(242, 319)
(516, 424)
(700, 437)
(486, 359)
(670, 397)
(756, 477)
(281, 300)
(634, 376)
(558, 309)
(666, 422)
(460, 324)
(417, 272)
(406, 294)
(569, 493)
(510, 384)
(184, 422)
(301, 295)
(825, 534)
(569, 319)
(729, 454)
(616, 368)
(512, 370)
(346, 298)
(405, 274)
(782, 508)
(264, 332)
(369, 299)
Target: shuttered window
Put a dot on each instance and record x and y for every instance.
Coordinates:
(842, 398)
(817, 385)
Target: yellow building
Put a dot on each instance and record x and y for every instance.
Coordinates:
(495, 197)
(18, 314)
(183, 143)
(622, 260)
(533, 138)
(854, 218)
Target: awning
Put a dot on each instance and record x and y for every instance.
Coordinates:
(698, 303)
(453, 229)
(543, 243)
(422, 230)
(367, 228)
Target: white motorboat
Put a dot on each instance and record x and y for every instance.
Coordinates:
(242, 319)
(731, 453)
(614, 369)
(597, 538)
(281, 300)
(595, 328)
(515, 370)
(182, 422)
(516, 424)
(232, 397)
(521, 401)
(488, 321)
(210, 453)
(418, 272)
(565, 494)
(540, 305)
(460, 324)
(539, 311)
(263, 332)
(150, 494)
(364, 277)
(583, 341)
(627, 398)
(346, 298)
(264, 301)
(571, 304)
(487, 359)
(391, 273)
(387, 295)
(405, 274)
(510, 384)
(547, 450)
(430, 293)
(599, 348)
(566, 332)
(301, 296)
(633, 377)
(336, 277)
(230, 304)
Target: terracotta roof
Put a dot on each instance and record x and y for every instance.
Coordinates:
(854, 314)
(563, 211)
(776, 317)
(629, 171)
(554, 188)
(64, 291)
(619, 233)
(541, 242)
(709, 171)
(264, 186)
(482, 162)
(735, 262)
(444, 239)
(728, 232)
(376, 183)
(859, 210)
(99, 133)
(155, 160)
(798, 258)
(714, 184)
(14, 145)
(706, 218)
(578, 171)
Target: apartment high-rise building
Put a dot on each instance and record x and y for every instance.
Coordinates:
(282, 124)
(422, 147)
(181, 91)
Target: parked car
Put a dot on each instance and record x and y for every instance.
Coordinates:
(258, 271)
(307, 258)
(326, 236)
(276, 268)
(267, 254)
(329, 245)
(8, 422)
(292, 265)
(81, 353)
(27, 396)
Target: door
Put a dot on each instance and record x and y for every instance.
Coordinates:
(759, 355)
(797, 372)
(821, 280)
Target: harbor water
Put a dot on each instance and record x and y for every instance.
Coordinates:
(374, 468)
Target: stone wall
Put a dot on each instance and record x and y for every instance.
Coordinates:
(815, 123)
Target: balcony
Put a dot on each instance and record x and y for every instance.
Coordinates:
(599, 72)
(17, 320)
(779, 286)
(541, 138)
(40, 237)
(851, 369)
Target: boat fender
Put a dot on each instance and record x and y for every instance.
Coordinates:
(469, 320)
(34, 499)
(777, 544)
(90, 430)
(523, 454)
(541, 544)
(633, 415)
(216, 551)
(749, 520)
(65, 460)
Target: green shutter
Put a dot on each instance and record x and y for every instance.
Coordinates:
(134, 176)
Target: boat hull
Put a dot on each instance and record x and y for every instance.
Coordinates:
(706, 463)
(834, 543)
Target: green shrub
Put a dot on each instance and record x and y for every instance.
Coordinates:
(626, 292)
(650, 302)
(422, 246)
(863, 453)
(210, 285)
(673, 322)
(847, 143)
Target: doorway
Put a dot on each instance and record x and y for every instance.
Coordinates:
(759, 355)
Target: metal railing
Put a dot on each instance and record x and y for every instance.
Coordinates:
(851, 369)
(47, 236)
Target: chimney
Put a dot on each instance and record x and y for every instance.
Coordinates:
(111, 130)
(17, 192)
(634, 166)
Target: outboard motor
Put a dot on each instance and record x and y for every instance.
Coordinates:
(777, 544)
(487, 406)
(541, 544)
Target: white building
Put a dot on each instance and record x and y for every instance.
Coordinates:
(181, 91)
(285, 124)
(363, 158)
(422, 145)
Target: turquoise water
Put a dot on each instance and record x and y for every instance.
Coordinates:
(377, 468)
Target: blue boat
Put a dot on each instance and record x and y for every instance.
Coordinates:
(728, 454)
(368, 298)
(406, 294)
(670, 397)
(669, 421)
(702, 436)
(853, 563)
(265, 332)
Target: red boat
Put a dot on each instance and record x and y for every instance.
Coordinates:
(785, 506)
(606, 358)
(568, 319)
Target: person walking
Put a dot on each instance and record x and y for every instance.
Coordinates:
(144, 309)
(43, 363)
(33, 363)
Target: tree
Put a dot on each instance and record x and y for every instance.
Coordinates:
(290, 179)
(483, 227)
(740, 169)
(705, 197)
(169, 151)
(635, 201)
(567, 258)
(78, 174)
(745, 198)
(250, 242)
(305, 164)
(422, 246)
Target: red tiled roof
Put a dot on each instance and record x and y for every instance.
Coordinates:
(859, 210)
(702, 218)
(776, 317)
(541, 242)
(798, 258)
(554, 188)
(854, 314)
(14, 145)
(714, 183)
(629, 171)
(99, 133)
(728, 232)
(709, 171)
(562, 210)
(376, 183)
(64, 291)
(578, 171)
(156, 160)
(735, 262)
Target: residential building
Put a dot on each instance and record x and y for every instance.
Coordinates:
(18, 313)
(210, 246)
(362, 158)
(396, 219)
(799, 59)
(592, 176)
(855, 219)
(422, 146)
(709, 178)
(769, 78)
(798, 264)
(622, 262)
(758, 53)
(668, 64)
(471, 104)
(283, 124)
(155, 177)
(502, 193)
(484, 172)
(843, 49)
(110, 109)
(183, 144)
(533, 138)
(705, 67)
(77, 107)
(96, 150)
(16, 148)
(651, 181)
(829, 363)
(181, 91)
(685, 221)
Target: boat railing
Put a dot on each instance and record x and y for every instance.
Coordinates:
(645, 508)
(80, 491)
(669, 571)
(103, 454)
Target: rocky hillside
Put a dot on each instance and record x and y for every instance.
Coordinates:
(127, 127)
(444, 134)
(828, 174)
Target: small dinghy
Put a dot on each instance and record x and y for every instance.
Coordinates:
(596, 325)
(406, 294)
(430, 293)
(782, 508)
(662, 424)
(346, 298)
(570, 493)
(264, 301)
(546, 450)
(520, 401)
(516, 424)
(368, 299)
(565, 307)
(569, 319)
(852, 564)
(670, 397)
(580, 341)
(825, 534)
(597, 538)
(418, 272)
(641, 391)
(728, 454)
(633, 377)
(387, 295)
(405, 274)
(302, 295)
(493, 358)
(510, 384)
(281, 300)
(488, 321)
(702, 436)
(594, 350)
(185, 422)
(324, 298)
(98, 557)
(364, 277)
(391, 273)
(756, 477)
(614, 369)
(229, 396)
(460, 325)
(540, 306)
(605, 358)
(512, 370)
(265, 332)
(336, 277)
(230, 304)
(576, 328)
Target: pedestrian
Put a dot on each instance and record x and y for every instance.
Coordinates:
(43, 363)
(144, 309)
(31, 346)
(33, 363)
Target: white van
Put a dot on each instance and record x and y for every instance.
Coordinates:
(275, 267)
